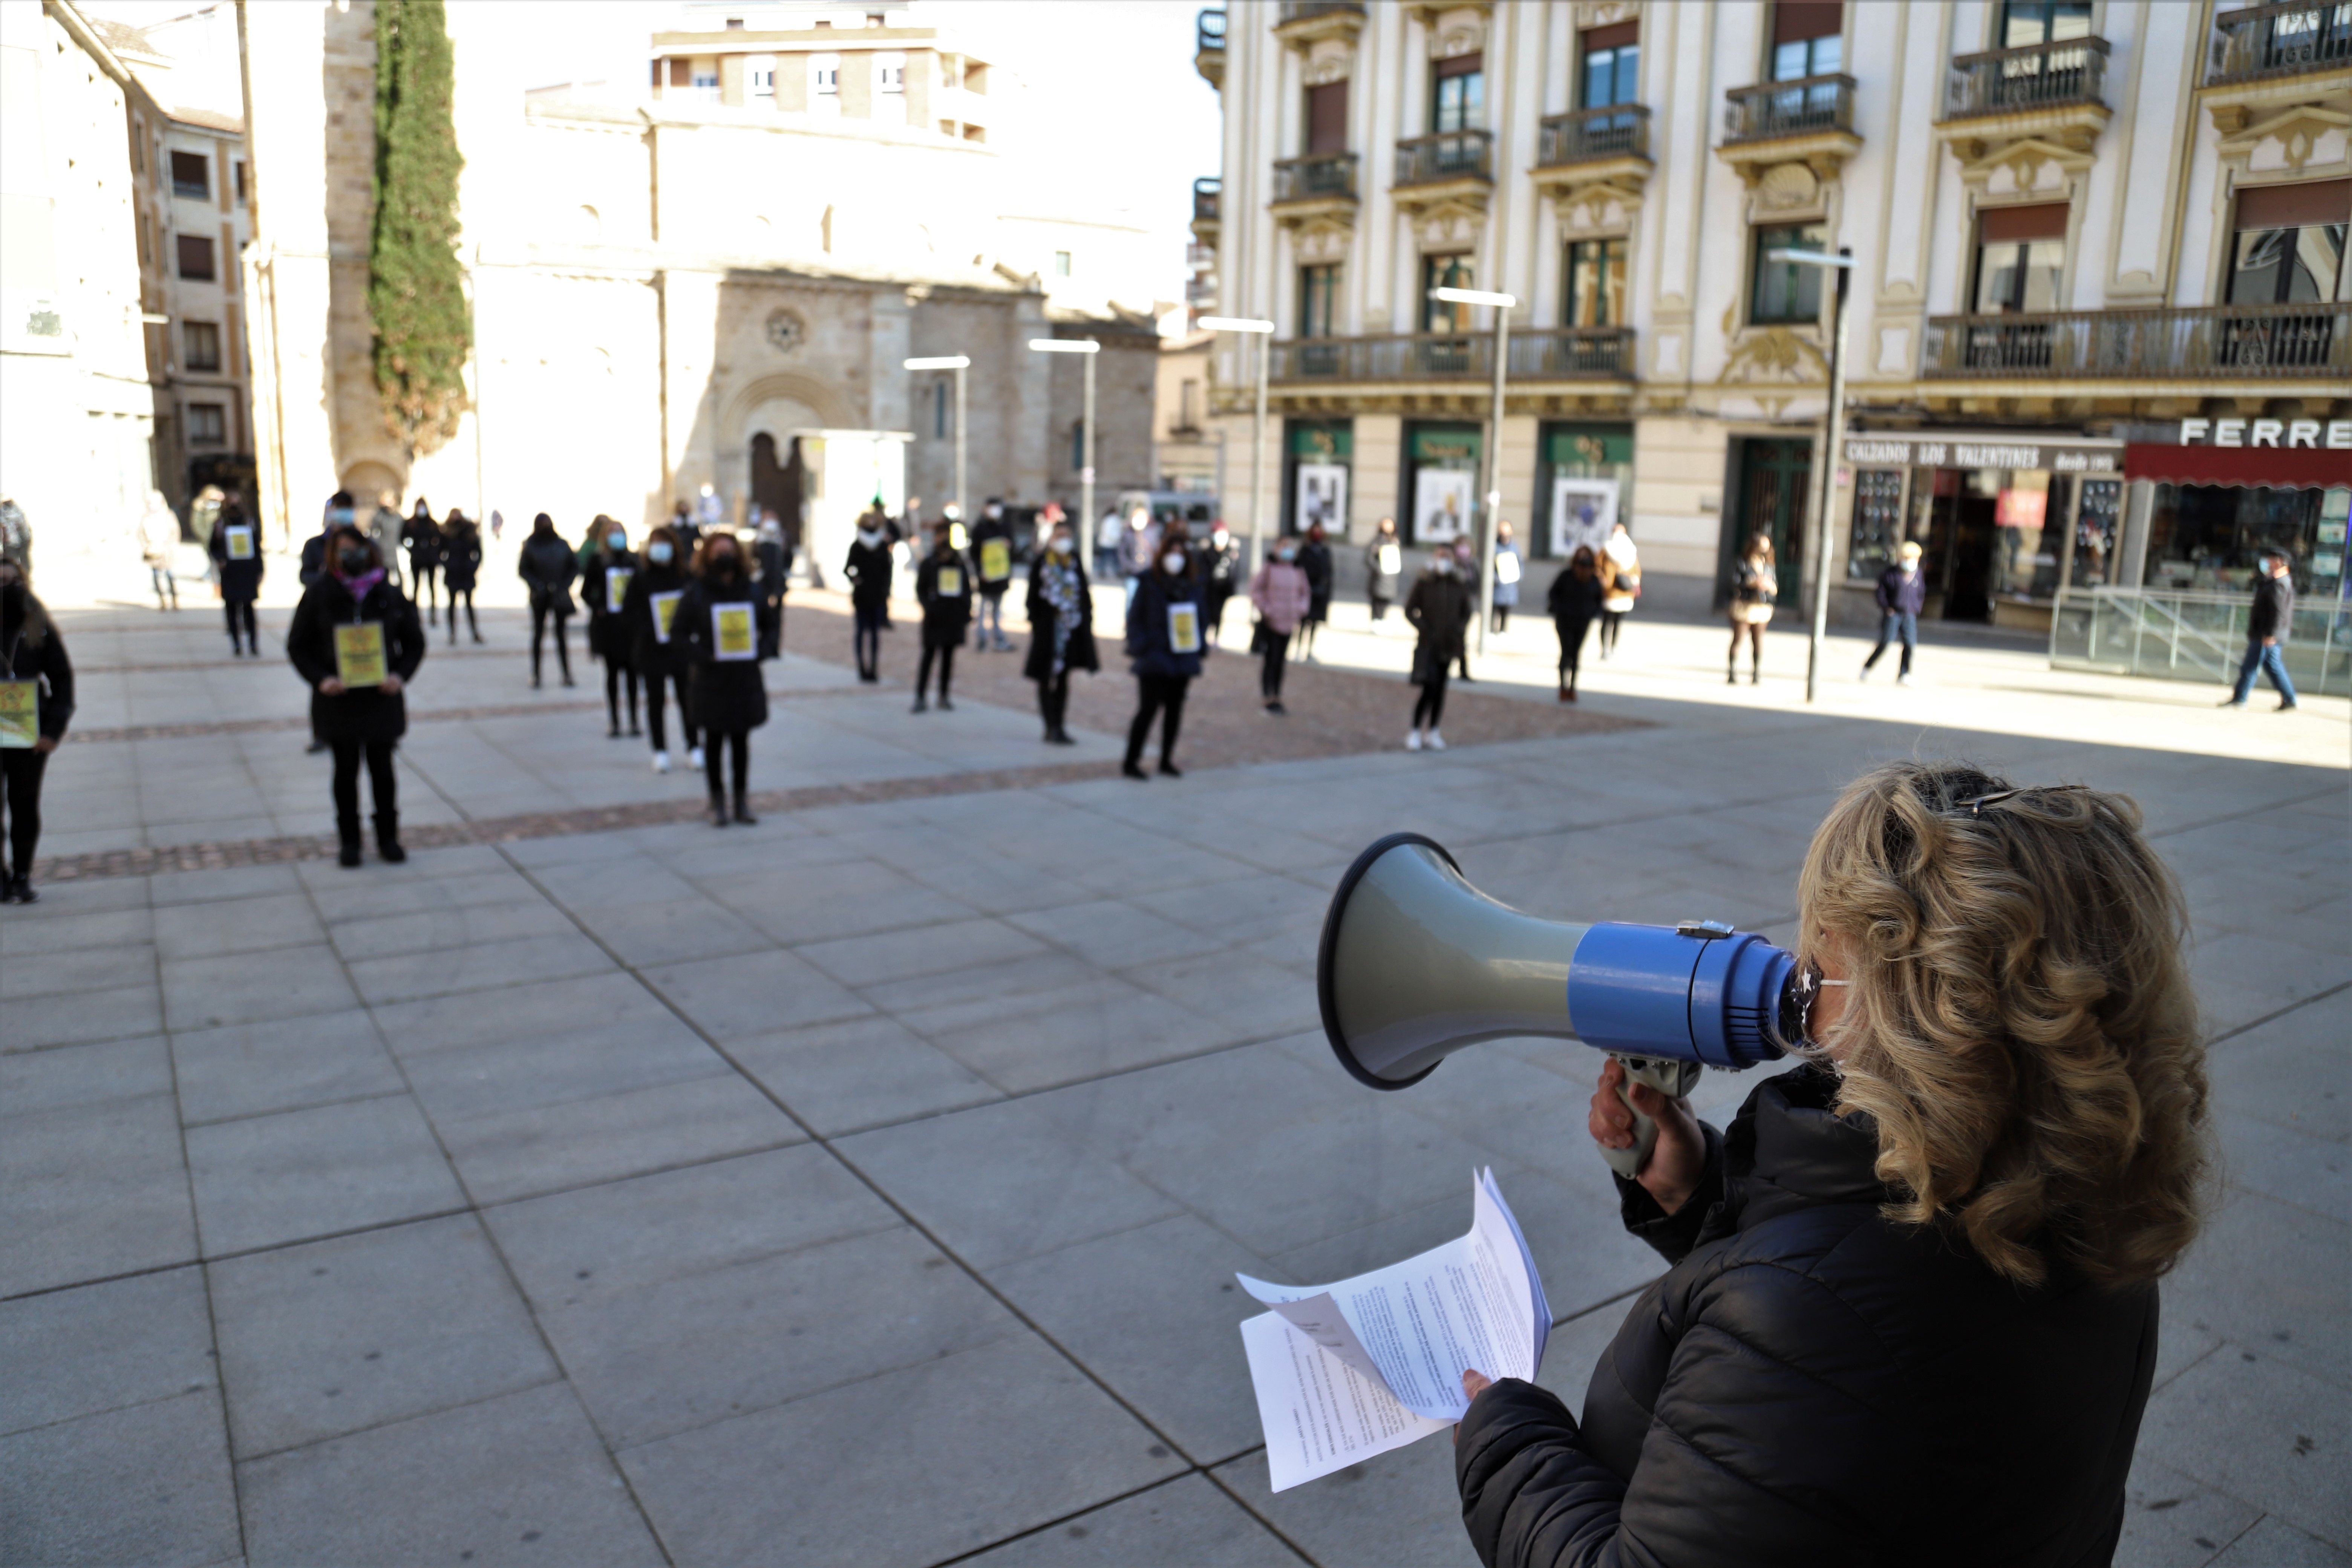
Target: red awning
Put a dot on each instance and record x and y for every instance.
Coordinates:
(2277, 468)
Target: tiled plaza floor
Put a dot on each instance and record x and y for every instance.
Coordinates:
(867, 1187)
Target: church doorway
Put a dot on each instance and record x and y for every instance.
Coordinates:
(777, 486)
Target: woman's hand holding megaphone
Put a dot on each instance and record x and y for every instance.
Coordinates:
(1678, 1164)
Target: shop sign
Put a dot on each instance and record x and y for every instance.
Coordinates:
(1991, 451)
(2336, 434)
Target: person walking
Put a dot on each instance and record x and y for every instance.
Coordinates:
(1315, 559)
(868, 569)
(37, 702)
(1061, 628)
(943, 587)
(1217, 567)
(1572, 601)
(1509, 567)
(604, 589)
(1163, 644)
(1902, 594)
(649, 611)
(1283, 597)
(1108, 533)
(719, 623)
(991, 560)
(421, 536)
(461, 568)
(236, 550)
(1383, 569)
(159, 541)
(1620, 585)
(2268, 625)
(356, 642)
(547, 566)
(1755, 585)
(1440, 609)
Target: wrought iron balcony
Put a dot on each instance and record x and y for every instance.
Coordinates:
(1551, 354)
(1308, 10)
(2207, 342)
(1590, 135)
(1772, 110)
(2039, 76)
(1208, 48)
(1448, 155)
(2257, 42)
(1318, 177)
(1207, 194)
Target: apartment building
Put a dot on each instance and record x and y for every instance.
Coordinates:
(2099, 335)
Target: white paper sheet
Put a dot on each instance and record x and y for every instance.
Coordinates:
(1350, 1370)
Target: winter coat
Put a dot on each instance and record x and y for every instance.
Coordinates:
(774, 554)
(367, 715)
(240, 581)
(311, 564)
(421, 536)
(647, 652)
(1902, 593)
(1148, 648)
(985, 530)
(1315, 559)
(1079, 653)
(547, 566)
(868, 569)
(1813, 1384)
(32, 649)
(608, 633)
(1440, 607)
(1282, 596)
(1507, 595)
(1754, 584)
(945, 615)
(2273, 614)
(461, 556)
(722, 695)
(1218, 568)
(1572, 604)
(1139, 548)
(1379, 584)
(1621, 577)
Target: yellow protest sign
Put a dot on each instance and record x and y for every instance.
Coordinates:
(665, 608)
(995, 559)
(950, 581)
(1184, 627)
(731, 631)
(359, 653)
(240, 543)
(20, 715)
(616, 587)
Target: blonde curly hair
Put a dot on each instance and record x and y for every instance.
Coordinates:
(2020, 1023)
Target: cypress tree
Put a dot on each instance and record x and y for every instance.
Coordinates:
(416, 291)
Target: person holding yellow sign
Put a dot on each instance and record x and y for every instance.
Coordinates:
(722, 622)
(1165, 639)
(943, 587)
(236, 547)
(992, 558)
(649, 612)
(356, 640)
(605, 588)
(37, 700)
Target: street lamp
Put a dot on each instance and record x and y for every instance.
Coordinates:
(958, 363)
(1089, 347)
(1265, 334)
(1832, 427)
(1493, 486)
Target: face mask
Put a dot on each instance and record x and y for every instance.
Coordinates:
(1061, 545)
(1285, 553)
(1442, 566)
(340, 516)
(658, 553)
(869, 536)
(1171, 562)
(353, 561)
(616, 540)
(725, 565)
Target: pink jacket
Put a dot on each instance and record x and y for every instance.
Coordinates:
(1280, 593)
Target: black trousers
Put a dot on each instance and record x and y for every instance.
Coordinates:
(382, 782)
(539, 616)
(1156, 695)
(615, 676)
(946, 656)
(20, 774)
(472, 624)
(240, 613)
(739, 741)
(1053, 700)
(1610, 620)
(1572, 646)
(421, 577)
(1269, 669)
(1502, 617)
(869, 638)
(1429, 708)
(657, 691)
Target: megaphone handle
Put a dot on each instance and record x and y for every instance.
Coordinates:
(1671, 1078)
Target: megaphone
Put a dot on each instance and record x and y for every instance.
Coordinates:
(1416, 963)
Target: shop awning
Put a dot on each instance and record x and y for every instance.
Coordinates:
(2275, 467)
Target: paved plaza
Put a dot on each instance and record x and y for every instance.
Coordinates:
(867, 1187)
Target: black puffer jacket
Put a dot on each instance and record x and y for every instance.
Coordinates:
(722, 694)
(1813, 1384)
(368, 715)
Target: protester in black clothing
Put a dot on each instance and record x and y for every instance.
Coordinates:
(992, 553)
(33, 653)
(649, 611)
(312, 565)
(547, 566)
(356, 641)
(1572, 603)
(1217, 568)
(1383, 567)
(461, 567)
(604, 589)
(235, 550)
(1061, 628)
(1315, 559)
(1754, 586)
(868, 569)
(1440, 608)
(1164, 644)
(719, 624)
(943, 587)
(771, 552)
(422, 538)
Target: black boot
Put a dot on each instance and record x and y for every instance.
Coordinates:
(347, 829)
(718, 811)
(744, 810)
(387, 839)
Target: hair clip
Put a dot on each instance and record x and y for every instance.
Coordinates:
(1976, 808)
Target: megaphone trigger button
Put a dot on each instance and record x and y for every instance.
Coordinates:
(1706, 930)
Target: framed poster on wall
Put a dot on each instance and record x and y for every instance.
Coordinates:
(1322, 498)
(1441, 504)
(1582, 513)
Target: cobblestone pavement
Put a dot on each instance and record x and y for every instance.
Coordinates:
(867, 1187)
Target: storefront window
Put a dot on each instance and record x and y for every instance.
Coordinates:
(1441, 481)
(1321, 453)
(2024, 568)
(2096, 513)
(2210, 537)
(1584, 485)
(1878, 523)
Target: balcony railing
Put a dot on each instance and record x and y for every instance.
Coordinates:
(1798, 108)
(1553, 354)
(1589, 135)
(2212, 342)
(1206, 196)
(1448, 155)
(1208, 32)
(2192, 635)
(2039, 75)
(1319, 177)
(1305, 10)
(2260, 41)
